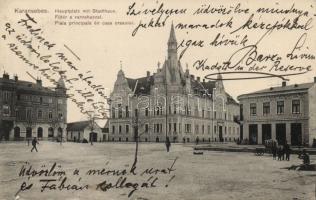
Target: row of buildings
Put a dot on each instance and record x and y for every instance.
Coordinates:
(31, 110)
(170, 104)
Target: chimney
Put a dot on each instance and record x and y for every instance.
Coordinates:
(203, 80)
(283, 83)
(192, 76)
(6, 76)
(315, 79)
(148, 73)
(39, 82)
(16, 78)
(198, 78)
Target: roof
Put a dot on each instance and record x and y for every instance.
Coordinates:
(288, 88)
(143, 84)
(24, 85)
(77, 126)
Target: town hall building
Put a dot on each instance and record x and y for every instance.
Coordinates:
(171, 103)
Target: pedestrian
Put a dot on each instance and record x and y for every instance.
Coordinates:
(305, 157)
(282, 153)
(287, 150)
(274, 150)
(197, 140)
(168, 144)
(279, 153)
(34, 143)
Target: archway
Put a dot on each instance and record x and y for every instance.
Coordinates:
(93, 136)
(17, 132)
(28, 132)
(39, 132)
(50, 132)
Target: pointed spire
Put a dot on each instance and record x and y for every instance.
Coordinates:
(172, 37)
(219, 76)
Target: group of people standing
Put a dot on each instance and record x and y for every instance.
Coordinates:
(280, 151)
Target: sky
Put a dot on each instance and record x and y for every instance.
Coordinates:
(104, 49)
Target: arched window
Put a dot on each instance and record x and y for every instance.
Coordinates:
(28, 132)
(50, 132)
(60, 131)
(17, 132)
(40, 132)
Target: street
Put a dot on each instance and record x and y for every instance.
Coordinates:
(159, 175)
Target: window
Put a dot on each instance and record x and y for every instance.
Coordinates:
(187, 128)
(175, 127)
(202, 113)
(209, 129)
(196, 129)
(120, 112)
(157, 110)
(126, 111)
(146, 128)
(113, 112)
(17, 114)
(202, 129)
(50, 100)
(18, 97)
(60, 101)
(28, 113)
(253, 109)
(280, 107)
(214, 114)
(296, 106)
(266, 108)
(113, 129)
(136, 112)
(175, 109)
(120, 129)
(39, 114)
(127, 128)
(41, 100)
(146, 112)
(215, 129)
(6, 110)
(60, 115)
(50, 114)
(197, 111)
(6, 95)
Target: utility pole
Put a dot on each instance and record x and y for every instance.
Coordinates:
(166, 88)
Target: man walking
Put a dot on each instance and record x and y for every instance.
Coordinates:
(287, 151)
(34, 143)
(168, 144)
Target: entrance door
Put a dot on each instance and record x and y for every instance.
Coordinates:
(220, 128)
(17, 133)
(266, 132)
(94, 137)
(296, 134)
(28, 132)
(253, 134)
(281, 133)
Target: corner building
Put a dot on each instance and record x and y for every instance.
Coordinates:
(286, 114)
(172, 103)
(31, 110)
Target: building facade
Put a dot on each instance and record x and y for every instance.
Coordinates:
(31, 110)
(85, 130)
(172, 103)
(285, 113)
